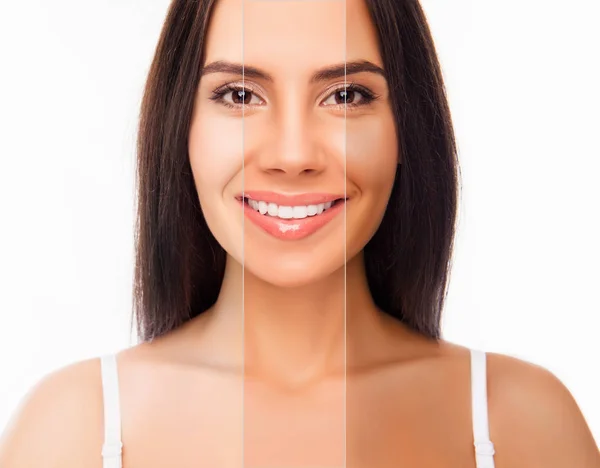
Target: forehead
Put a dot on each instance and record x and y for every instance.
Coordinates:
(291, 36)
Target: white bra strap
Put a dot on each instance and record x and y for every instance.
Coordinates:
(112, 447)
(484, 448)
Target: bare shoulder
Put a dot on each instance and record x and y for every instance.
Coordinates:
(58, 422)
(534, 419)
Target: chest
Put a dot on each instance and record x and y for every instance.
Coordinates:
(359, 424)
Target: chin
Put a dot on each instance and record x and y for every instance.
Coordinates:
(293, 273)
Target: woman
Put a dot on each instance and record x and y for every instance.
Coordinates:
(295, 228)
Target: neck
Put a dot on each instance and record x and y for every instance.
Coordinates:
(296, 334)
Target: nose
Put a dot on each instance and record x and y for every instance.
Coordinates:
(293, 147)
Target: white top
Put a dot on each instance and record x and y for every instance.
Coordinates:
(484, 448)
(112, 448)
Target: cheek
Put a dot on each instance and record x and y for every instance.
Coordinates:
(371, 154)
(215, 151)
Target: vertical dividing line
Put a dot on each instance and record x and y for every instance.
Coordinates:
(345, 246)
(243, 252)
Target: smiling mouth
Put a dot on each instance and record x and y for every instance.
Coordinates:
(290, 211)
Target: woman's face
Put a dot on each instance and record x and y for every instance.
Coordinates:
(293, 136)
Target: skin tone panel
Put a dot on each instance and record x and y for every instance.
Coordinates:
(294, 141)
(405, 400)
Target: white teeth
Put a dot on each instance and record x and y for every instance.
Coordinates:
(273, 209)
(288, 212)
(300, 212)
(262, 207)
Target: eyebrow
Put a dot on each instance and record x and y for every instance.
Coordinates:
(323, 74)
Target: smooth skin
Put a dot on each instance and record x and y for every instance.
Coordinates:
(330, 380)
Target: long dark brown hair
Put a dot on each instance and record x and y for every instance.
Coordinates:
(179, 265)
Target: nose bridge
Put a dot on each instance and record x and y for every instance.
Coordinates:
(293, 148)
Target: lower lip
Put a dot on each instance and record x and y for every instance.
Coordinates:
(292, 229)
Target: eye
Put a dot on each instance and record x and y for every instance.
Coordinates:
(350, 96)
(239, 96)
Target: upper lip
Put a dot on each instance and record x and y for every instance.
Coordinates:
(282, 199)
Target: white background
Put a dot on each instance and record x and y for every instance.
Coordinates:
(523, 82)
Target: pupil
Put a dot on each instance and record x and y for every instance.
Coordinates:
(242, 96)
(344, 96)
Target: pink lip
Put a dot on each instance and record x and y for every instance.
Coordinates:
(281, 199)
(293, 229)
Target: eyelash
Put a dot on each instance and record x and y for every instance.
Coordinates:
(368, 96)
